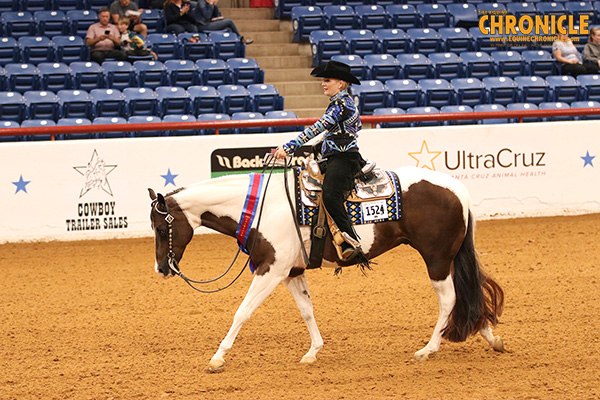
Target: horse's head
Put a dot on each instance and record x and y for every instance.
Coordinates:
(172, 233)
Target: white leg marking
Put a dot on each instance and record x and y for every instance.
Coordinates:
(447, 298)
(495, 341)
(261, 287)
(298, 287)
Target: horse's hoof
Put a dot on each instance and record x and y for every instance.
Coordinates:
(308, 360)
(498, 344)
(421, 356)
(216, 365)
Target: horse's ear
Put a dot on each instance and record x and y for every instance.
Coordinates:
(152, 194)
(161, 199)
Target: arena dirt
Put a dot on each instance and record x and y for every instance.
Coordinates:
(92, 320)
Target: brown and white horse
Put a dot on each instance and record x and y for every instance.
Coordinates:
(437, 222)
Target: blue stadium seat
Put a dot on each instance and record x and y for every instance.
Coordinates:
(437, 92)
(501, 90)
(69, 4)
(70, 48)
(491, 108)
(111, 121)
(173, 100)
(579, 8)
(10, 5)
(415, 66)
(404, 93)
(154, 19)
(433, 15)
(42, 104)
(141, 101)
(551, 8)
(424, 110)
(403, 16)
(564, 88)
(509, 63)
(558, 105)
(390, 111)
(17, 23)
(151, 74)
(371, 94)
(306, 19)
(283, 115)
(9, 51)
(81, 20)
(325, 44)
(534, 89)
(457, 39)
(520, 8)
(12, 106)
(463, 15)
(51, 23)
(586, 104)
(181, 118)
(249, 116)
(469, 91)
(22, 77)
(183, 73)
(108, 103)
(75, 104)
(447, 65)
(454, 109)
(358, 66)
(39, 123)
(478, 64)
(383, 66)
(488, 42)
(265, 97)
(213, 72)
(234, 98)
(119, 74)
(214, 117)
(590, 85)
(425, 40)
(205, 99)
(36, 5)
(165, 45)
(341, 17)
(76, 122)
(372, 16)
(361, 42)
(521, 107)
(245, 71)
(88, 75)
(146, 119)
(540, 62)
(55, 76)
(196, 46)
(393, 41)
(283, 8)
(11, 124)
(36, 49)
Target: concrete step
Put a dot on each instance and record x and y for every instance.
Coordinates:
(293, 88)
(307, 112)
(277, 37)
(286, 74)
(238, 14)
(278, 62)
(307, 101)
(261, 25)
(281, 50)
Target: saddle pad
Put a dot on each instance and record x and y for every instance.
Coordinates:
(360, 212)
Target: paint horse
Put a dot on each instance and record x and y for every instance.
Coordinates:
(437, 222)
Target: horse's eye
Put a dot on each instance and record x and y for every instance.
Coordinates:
(162, 232)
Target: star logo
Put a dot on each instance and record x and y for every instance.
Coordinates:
(587, 159)
(21, 185)
(424, 157)
(170, 178)
(96, 175)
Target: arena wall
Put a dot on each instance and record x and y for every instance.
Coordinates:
(93, 189)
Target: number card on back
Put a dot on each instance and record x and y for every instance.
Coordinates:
(374, 210)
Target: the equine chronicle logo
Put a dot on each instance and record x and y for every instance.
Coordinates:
(96, 174)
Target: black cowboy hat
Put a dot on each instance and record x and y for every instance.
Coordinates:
(336, 70)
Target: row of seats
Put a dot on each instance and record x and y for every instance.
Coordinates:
(208, 117)
(47, 5)
(164, 100)
(485, 108)
(405, 93)
(88, 75)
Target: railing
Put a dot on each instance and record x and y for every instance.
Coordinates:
(366, 119)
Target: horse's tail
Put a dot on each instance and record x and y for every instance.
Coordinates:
(479, 299)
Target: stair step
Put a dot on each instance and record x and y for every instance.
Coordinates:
(270, 37)
(281, 49)
(282, 62)
(307, 112)
(294, 88)
(286, 74)
(239, 14)
(307, 101)
(260, 25)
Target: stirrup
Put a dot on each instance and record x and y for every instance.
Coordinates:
(366, 172)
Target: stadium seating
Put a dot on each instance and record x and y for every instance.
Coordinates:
(183, 73)
(371, 94)
(540, 63)
(564, 88)
(579, 8)
(372, 16)
(81, 20)
(76, 122)
(447, 65)
(165, 45)
(55, 76)
(534, 89)
(88, 75)
(457, 39)
(469, 91)
(478, 64)
(234, 98)
(390, 111)
(17, 23)
(249, 116)
(265, 98)
(341, 17)
(425, 40)
(436, 92)
(22, 77)
(213, 72)
(39, 123)
(146, 119)
(12, 106)
(433, 15)
(361, 42)
(402, 16)
(357, 64)
(36, 49)
(111, 121)
(424, 110)
(195, 46)
(491, 108)
(180, 118)
(393, 41)
(205, 100)
(306, 19)
(555, 106)
(509, 63)
(522, 107)
(283, 115)
(383, 66)
(42, 104)
(586, 104)
(454, 109)
(415, 66)
(108, 103)
(245, 71)
(463, 15)
(11, 124)
(141, 102)
(325, 44)
(501, 90)
(590, 86)
(173, 100)
(404, 93)
(151, 74)
(75, 104)
(216, 117)
(153, 19)
(119, 74)
(9, 51)
(70, 48)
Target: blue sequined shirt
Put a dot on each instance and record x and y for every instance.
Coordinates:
(340, 124)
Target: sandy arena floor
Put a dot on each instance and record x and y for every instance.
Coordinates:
(91, 320)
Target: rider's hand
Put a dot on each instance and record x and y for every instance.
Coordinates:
(280, 153)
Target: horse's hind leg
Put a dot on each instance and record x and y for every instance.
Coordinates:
(262, 286)
(495, 341)
(299, 289)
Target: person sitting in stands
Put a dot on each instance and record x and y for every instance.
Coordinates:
(133, 45)
(209, 18)
(128, 8)
(568, 56)
(104, 39)
(591, 51)
(178, 14)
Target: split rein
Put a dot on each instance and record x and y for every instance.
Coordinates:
(271, 162)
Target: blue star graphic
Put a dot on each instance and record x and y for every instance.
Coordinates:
(587, 160)
(170, 178)
(21, 185)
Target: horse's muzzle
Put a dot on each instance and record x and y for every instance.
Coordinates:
(163, 269)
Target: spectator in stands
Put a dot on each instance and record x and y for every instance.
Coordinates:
(339, 149)
(569, 58)
(180, 19)
(209, 18)
(591, 51)
(132, 44)
(104, 39)
(129, 9)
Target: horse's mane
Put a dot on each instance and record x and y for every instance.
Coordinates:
(174, 191)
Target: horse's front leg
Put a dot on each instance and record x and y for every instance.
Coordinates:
(299, 289)
(262, 286)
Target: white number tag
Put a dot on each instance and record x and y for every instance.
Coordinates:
(374, 210)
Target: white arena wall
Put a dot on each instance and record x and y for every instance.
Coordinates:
(96, 189)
